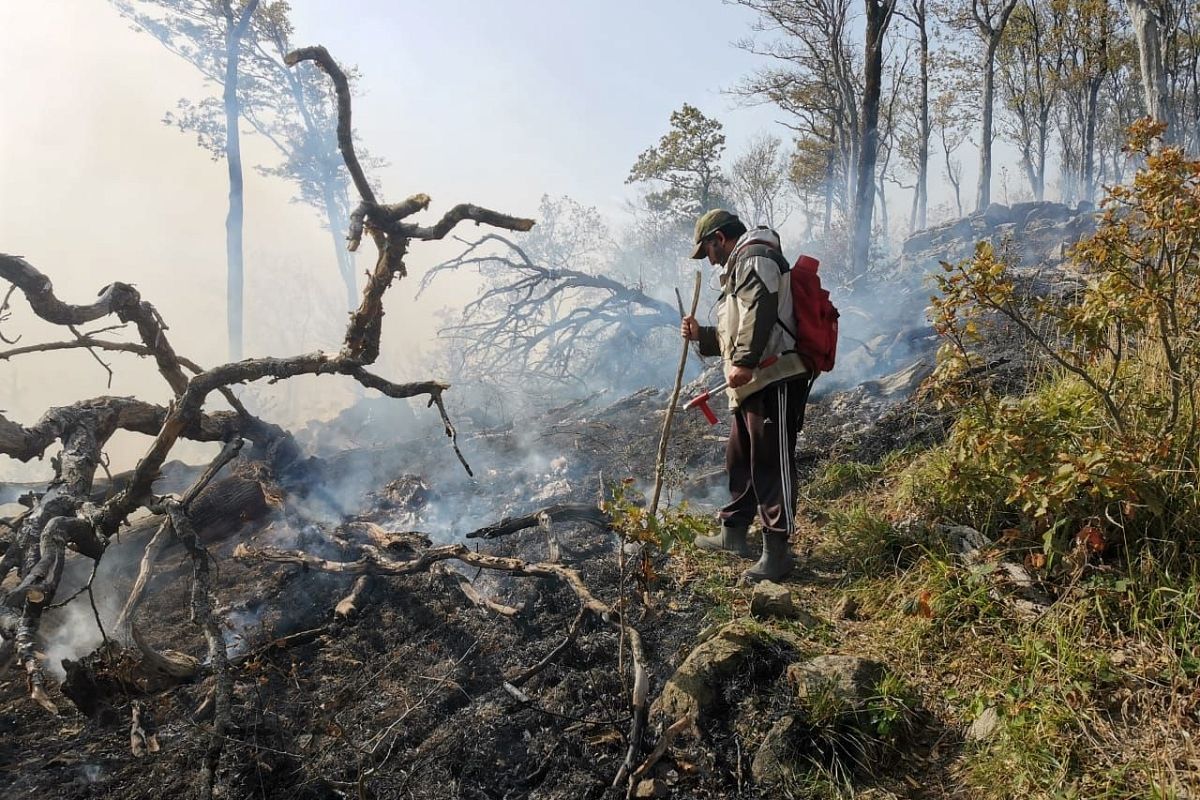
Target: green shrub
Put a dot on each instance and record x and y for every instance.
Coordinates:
(1108, 442)
(631, 519)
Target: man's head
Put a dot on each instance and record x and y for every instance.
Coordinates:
(716, 233)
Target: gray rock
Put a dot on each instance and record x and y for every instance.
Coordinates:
(984, 725)
(1037, 230)
(1049, 212)
(694, 687)
(997, 214)
(846, 682)
(775, 760)
(772, 600)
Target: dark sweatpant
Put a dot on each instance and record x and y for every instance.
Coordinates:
(760, 456)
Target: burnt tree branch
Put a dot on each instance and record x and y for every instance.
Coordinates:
(64, 515)
(127, 304)
(568, 512)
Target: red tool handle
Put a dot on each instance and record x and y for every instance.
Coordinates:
(701, 402)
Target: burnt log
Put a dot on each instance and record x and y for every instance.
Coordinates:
(562, 512)
(225, 506)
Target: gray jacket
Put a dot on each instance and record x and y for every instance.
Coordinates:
(755, 295)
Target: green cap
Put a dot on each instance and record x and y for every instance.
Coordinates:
(708, 224)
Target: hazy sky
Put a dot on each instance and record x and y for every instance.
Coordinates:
(486, 102)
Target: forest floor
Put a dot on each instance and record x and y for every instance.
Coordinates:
(407, 699)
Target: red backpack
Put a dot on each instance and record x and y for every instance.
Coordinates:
(814, 326)
(816, 317)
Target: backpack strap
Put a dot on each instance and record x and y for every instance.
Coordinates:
(758, 249)
(766, 251)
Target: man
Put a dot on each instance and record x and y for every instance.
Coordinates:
(754, 319)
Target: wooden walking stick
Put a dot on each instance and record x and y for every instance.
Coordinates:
(660, 465)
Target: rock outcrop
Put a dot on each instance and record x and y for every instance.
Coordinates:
(1036, 233)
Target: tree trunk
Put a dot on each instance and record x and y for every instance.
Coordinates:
(345, 259)
(828, 223)
(335, 217)
(1089, 143)
(234, 32)
(1039, 187)
(879, 14)
(885, 223)
(991, 32)
(1149, 33)
(953, 178)
(233, 219)
(922, 193)
(983, 197)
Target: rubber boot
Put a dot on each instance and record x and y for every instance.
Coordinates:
(732, 540)
(776, 561)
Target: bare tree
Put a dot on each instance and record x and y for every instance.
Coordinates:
(1121, 105)
(991, 17)
(211, 35)
(758, 182)
(553, 309)
(1029, 66)
(814, 178)
(951, 120)
(986, 20)
(815, 79)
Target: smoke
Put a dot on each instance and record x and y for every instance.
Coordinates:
(72, 631)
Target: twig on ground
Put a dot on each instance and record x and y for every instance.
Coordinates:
(523, 678)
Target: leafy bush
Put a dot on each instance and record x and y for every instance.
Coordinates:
(1108, 442)
(632, 519)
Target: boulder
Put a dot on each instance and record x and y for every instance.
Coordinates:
(848, 682)
(1048, 212)
(1037, 231)
(828, 726)
(997, 214)
(695, 686)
